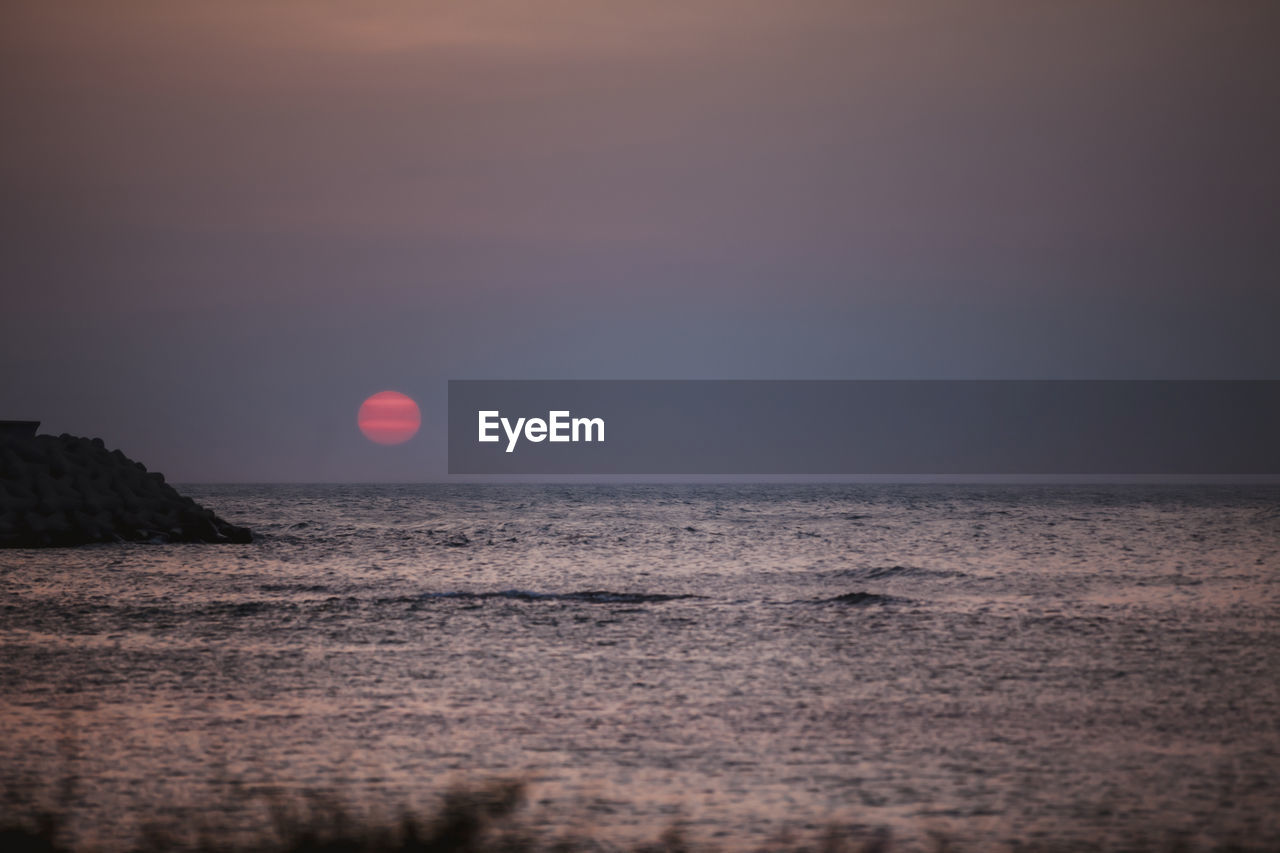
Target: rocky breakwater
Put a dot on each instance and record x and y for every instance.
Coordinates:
(65, 490)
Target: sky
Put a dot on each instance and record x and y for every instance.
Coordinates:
(227, 224)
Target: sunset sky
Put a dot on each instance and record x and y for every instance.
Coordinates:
(227, 224)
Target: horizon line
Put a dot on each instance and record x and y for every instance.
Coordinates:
(780, 479)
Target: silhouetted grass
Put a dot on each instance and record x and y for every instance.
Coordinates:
(481, 819)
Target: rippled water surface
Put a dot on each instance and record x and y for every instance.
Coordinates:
(1076, 663)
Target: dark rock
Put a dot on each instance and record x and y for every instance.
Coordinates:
(66, 490)
(20, 429)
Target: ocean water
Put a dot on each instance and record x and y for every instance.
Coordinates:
(1083, 664)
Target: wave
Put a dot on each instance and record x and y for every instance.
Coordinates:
(594, 596)
(293, 587)
(877, 573)
(856, 598)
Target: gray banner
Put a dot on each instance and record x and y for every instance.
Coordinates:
(804, 427)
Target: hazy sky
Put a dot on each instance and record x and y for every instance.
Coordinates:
(226, 224)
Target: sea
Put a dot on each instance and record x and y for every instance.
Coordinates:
(750, 666)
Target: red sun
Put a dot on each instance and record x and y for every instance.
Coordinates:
(389, 417)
